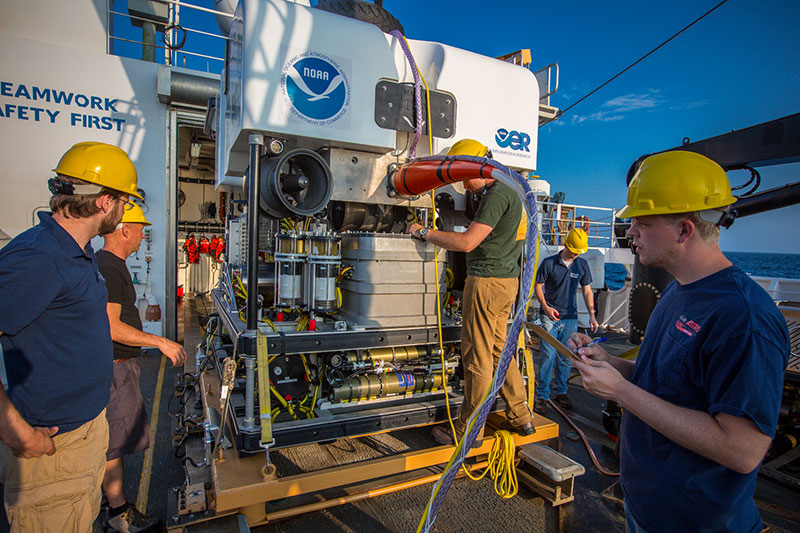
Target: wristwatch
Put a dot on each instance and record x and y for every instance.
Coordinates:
(422, 233)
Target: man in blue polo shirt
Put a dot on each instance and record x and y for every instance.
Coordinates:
(57, 346)
(557, 280)
(700, 404)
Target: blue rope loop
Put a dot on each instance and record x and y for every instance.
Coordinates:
(417, 91)
(520, 185)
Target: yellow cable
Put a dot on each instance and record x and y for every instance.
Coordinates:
(435, 263)
(305, 366)
(342, 273)
(286, 405)
(510, 480)
(501, 465)
(526, 350)
(441, 349)
(314, 399)
(496, 459)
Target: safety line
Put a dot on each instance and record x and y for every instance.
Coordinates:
(626, 69)
(147, 465)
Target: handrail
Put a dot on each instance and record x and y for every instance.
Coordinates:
(171, 55)
(554, 89)
(196, 7)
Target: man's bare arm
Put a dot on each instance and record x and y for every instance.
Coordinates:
(456, 241)
(734, 442)
(130, 336)
(24, 440)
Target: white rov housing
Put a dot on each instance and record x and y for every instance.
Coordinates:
(310, 78)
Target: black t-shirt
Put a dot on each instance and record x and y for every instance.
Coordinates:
(120, 291)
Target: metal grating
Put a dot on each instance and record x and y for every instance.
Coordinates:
(793, 323)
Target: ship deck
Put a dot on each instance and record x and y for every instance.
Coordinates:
(469, 505)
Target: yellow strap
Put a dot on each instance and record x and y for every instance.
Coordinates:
(529, 371)
(263, 388)
(631, 354)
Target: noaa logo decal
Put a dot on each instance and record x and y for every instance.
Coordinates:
(516, 140)
(316, 88)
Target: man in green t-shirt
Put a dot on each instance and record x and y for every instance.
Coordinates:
(493, 269)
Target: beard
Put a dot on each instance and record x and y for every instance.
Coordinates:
(110, 221)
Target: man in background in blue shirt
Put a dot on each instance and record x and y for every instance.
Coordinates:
(700, 404)
(57, 346)
(557, 281)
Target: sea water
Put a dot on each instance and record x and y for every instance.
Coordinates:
(755, 264)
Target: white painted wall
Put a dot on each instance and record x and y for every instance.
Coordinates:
(78, 88)
(77, 24)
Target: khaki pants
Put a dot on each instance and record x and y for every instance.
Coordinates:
(60, 492)
(487, 303)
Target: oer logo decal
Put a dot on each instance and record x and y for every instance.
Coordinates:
(516, 140)
(316, 88)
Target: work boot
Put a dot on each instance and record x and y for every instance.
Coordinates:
(444, 435)
(523, 430)
(563, 400)
(132, 521)
(540, 406)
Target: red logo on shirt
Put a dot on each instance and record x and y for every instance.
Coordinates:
(689, 327)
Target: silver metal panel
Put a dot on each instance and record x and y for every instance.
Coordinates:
(361, 177)
(388, 247)
(394, 271)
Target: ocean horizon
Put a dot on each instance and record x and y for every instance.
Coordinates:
(753, 263)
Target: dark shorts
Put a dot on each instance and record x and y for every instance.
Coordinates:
(128, 428)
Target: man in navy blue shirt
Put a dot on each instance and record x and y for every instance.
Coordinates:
(57, 346)
(701, 401)
(557, 281)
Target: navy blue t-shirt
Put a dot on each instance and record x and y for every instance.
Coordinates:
(717, 345)
(56, 337)
(561, 283)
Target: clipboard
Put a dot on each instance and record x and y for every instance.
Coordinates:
(552, 341)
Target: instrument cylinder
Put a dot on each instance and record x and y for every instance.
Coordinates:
(383, 385)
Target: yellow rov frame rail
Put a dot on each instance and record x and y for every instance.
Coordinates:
(241, 485)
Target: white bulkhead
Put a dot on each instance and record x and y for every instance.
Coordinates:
(309, 76)
(58, 87)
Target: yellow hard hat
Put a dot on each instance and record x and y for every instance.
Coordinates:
(134, 214)
(577, 241)
(468, 147)
(677, 182)
(102, 164)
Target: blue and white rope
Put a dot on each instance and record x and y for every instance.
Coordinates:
(478, 419)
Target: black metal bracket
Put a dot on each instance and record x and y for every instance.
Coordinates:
(395, 109)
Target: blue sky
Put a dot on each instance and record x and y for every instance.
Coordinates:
(737, 67)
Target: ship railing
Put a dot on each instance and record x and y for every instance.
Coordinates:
(189, 38)
(557, 219)
(780, 289)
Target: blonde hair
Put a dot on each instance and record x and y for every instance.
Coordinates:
(708, 231)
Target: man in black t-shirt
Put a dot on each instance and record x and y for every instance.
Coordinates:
(127, 418)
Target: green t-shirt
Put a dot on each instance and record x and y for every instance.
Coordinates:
(499, 254)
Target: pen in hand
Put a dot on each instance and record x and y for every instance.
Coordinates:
(596, 340)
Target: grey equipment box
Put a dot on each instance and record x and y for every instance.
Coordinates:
(548, 473)
(392, 282)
